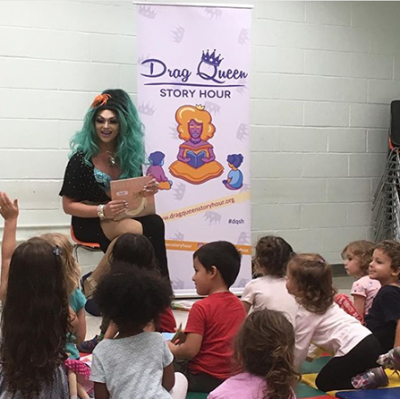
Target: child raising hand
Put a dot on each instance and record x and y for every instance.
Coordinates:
(9, 211)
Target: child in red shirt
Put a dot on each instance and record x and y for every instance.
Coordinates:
(214, 321)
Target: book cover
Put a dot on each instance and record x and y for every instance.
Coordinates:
(140, 202)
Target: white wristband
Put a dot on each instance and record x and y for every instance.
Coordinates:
(100, 212)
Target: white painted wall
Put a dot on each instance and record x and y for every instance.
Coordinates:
(323, 76)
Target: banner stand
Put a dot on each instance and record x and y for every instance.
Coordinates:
(193, 75)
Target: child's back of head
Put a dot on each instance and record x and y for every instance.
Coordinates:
(132, 296)
(310, 281)
(272, 255)
(264, 347)
(35, 317)
(72, 271)
(224, 256)
(134, 249)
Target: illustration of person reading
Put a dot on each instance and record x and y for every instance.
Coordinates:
(196, 162)
(235, 176)
(156, 159)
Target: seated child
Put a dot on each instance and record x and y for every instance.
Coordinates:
(383, 318)
(264, 350)
(137, 250)
(34, 324)
(214, 321)
(136, 364)
(70, 269)
(357, 256)
(76, 299)
(269, 291)
(323, 323)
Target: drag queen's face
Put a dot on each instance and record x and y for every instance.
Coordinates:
(107, 126)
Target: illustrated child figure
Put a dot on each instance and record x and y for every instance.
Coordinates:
(235, 176)
(357, 256)
(156, 170)
(269, 291)
(383, 318)
(136, 364)
(264, 350)
(138, 251)
(196, 162)
(34, 324)
(207, 343)
(323, 323)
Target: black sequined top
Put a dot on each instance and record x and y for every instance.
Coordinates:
(80, 185)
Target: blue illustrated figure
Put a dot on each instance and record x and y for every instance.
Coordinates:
(156, 159)
(235, 176)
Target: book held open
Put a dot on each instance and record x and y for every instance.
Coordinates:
(140, 202)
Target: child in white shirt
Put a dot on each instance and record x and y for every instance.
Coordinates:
(269, 291)
(323, 323)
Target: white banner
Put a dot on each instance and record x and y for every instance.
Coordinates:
(193, 99)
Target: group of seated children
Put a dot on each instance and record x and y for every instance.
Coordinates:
(230, 348)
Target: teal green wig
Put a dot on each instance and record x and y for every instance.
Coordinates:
(130, 140)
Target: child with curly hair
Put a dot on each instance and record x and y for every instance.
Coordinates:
(323, 323)
(269, 291)
(264, 350)
(383, 318)
(357, 256)
(138, 251)
(136, 364)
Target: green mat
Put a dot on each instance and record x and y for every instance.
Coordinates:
(314, 366)
(196, 395)
(305, 391)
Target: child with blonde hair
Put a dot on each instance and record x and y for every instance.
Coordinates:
(264, 351)
(269, 291)
(323, 323)
(357, 256)
(77, 300)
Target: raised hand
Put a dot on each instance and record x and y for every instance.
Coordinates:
(8, 209)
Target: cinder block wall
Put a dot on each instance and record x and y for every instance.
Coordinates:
(323, 76)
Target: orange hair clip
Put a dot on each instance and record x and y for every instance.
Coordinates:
(100, 99)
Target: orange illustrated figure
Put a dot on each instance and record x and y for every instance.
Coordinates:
(196, 162)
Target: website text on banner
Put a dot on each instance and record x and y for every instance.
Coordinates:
(193, 97)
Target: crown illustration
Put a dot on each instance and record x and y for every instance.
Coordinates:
(147, 12)
(146, 109)
(211, 59)
(178, 34)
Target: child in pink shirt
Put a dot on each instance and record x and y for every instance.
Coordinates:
(264, 350)
(357, 256)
